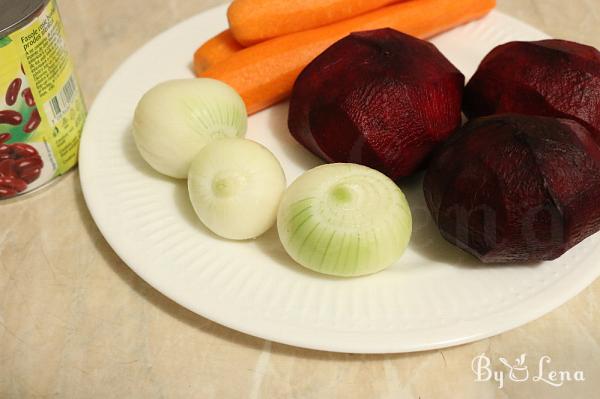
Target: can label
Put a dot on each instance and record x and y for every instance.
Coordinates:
(41, 108)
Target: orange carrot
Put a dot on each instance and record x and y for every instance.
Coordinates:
(253, 21)
(264, 74)
(215, 50)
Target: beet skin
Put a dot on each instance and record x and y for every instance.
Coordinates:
(547, 78)
(514, 188)
(379, 98)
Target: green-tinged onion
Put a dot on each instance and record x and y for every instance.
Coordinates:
(344, 220)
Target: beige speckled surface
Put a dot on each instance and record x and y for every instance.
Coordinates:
(75, 322)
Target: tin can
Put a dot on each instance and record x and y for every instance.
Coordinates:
(41, 107)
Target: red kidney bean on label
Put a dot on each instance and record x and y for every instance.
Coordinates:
(34, 121)
(20, 164)
(12, 93)
(31, 174)
(15, 183)
(28, 163)
(7, 192)
(7, 168)
(22, 150)
(4, 137)
(10, 117)
(28, 97)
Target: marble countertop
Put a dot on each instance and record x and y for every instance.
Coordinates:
(76, 322)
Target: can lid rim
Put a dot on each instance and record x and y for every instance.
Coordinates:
(17, 13)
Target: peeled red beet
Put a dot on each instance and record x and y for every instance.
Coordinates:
(547, 78)
(378, 98)
(515, 188)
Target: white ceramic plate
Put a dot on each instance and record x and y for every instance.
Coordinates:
(436, 296)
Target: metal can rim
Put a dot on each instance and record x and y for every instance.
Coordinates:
(18, 13)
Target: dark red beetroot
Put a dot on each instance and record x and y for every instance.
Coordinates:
(379, 98)
(515, 188)
(548, 78)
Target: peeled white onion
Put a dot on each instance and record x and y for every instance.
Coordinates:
(235, 186)
(176, 119)
(344, 220)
